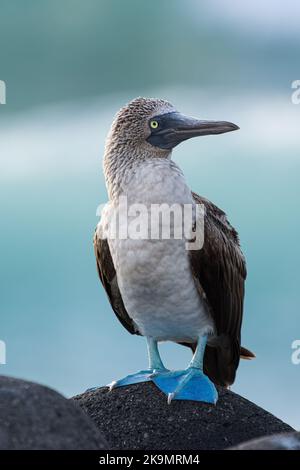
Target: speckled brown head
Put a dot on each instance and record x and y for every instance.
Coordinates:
(153, 122)
(148, 128)
(132, 124)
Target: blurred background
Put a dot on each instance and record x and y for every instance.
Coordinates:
(68, 66)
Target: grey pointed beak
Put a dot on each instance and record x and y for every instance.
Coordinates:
(173, 128)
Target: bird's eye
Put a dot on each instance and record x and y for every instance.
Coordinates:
(154, 124)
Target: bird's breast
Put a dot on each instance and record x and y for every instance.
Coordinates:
(154, 275)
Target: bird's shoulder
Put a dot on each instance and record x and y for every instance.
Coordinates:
(220, 237)
(217, 218)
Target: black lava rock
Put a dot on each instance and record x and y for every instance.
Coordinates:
(138, 417)
(286, 441)
(36, 417)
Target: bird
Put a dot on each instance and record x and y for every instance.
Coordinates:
(157, 287)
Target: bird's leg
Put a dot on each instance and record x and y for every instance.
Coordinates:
(155, 367)
(191, 383)
(197, 359)
(155, 363)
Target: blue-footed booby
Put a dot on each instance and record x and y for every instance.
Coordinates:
(156, 286)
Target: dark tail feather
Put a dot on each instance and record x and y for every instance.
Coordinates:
(247, 354)
(220, 366)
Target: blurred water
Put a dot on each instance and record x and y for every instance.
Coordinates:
(55, 318)
(71, 49)
(68, 66)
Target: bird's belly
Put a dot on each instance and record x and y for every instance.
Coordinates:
(158, 289)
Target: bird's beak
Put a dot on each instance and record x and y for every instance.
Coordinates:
(175, 128)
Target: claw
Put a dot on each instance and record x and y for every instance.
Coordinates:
(170, 397)
(112, 385)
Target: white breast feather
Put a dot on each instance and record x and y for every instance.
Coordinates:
(154, 276)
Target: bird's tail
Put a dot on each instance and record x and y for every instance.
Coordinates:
(220, 365)
(247, 354)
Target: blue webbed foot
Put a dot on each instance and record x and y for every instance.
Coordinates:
(141, 376)
(188, 384)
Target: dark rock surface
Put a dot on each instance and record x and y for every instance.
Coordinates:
(286, 441)
(138, 417)
(36, 417)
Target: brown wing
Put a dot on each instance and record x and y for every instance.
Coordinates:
(219, 270)
(109, 281)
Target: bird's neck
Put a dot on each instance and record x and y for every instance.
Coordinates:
(120, 165)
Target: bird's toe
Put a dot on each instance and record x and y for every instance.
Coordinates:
(138, 377)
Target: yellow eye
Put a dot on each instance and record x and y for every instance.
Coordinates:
(154, 124)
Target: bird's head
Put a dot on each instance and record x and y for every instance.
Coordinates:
(156, 127)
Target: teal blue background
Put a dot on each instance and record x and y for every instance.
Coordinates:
(68, 66)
